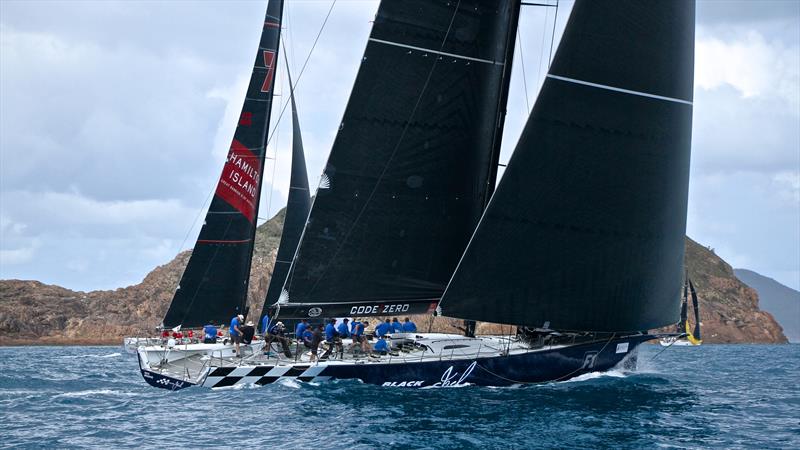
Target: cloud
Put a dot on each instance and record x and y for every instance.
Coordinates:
(751, 65)
(17, 256)
(787, 186)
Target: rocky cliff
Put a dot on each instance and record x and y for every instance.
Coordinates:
(35, 313)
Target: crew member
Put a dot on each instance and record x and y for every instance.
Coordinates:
(276, 333)
(397, 327)
(343, 330)
(383, 328)
(332, 339)
(409, 326)
(235, 332)
(363, 338)
(301, 328)
(316, 338)
(382, 346)
(248, 331)
(210, 333)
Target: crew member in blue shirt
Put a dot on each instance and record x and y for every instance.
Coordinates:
(210, 333)
(383, 328)
(343, 331)
(301, 328)
(409, 326)
(308, 336)
(382, 346)
(353, 333)
(397, 327)
(332, 339)
(359, 338)
(236, 332)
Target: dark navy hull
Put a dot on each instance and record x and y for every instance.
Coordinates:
(556, 364)
(158, 380)
(532, 367)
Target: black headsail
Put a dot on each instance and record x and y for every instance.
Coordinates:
(695, 335)
(214, 284)
(297, 207)
(408, 173)
(684, 305)
(586, 228)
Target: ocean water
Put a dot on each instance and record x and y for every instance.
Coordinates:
(714, 396)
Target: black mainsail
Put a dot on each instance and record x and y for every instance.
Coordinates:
(297, 207)
(586, 228)
(412, 164)
(214, 283)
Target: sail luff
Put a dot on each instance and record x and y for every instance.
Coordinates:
(585, 231)
(297, 207)
(215, 282)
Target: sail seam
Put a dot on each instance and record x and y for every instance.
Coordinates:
(397, 44)
(617, 89)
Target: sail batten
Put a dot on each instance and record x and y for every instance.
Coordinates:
(586, 228)
(214, 284)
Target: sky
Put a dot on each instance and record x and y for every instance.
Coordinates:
(115, 118)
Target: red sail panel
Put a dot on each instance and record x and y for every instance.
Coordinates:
(238, 185)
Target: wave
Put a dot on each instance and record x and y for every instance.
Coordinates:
(614, 373)
(91, 392)
(110, 355)
(290, 383)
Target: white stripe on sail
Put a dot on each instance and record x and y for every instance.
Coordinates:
(616, 89)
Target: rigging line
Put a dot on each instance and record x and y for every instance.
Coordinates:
(553, 37)
(524, 77)
(396, 147)
(541, 49)
(274, 169)
(305, 63)
(202, 208)
(670, 345)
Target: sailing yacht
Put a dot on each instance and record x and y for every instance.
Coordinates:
(581, 244)
(214, 285)
(685, 336)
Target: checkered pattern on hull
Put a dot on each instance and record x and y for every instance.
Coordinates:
(261, 375)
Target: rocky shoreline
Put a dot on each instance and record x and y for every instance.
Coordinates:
(33, 313)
